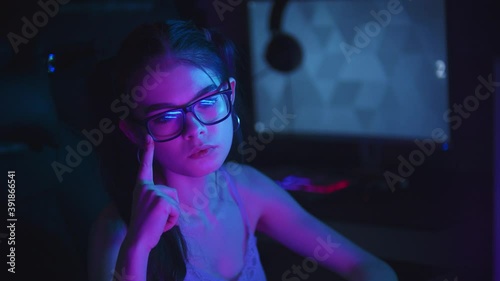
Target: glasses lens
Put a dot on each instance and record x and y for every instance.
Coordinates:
(213, 108)
(167, 125)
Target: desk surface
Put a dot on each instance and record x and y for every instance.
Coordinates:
(414, 255)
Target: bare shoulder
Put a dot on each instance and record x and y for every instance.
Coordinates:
(249, 180)
(254, 187)
(109, 222)
(105, 238)
(269, 200)
(260, 187)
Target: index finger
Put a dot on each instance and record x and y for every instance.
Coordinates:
(145, 175)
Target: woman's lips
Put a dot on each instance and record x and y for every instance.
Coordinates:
(202, 152)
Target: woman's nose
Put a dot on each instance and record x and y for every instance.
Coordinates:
(193, 127)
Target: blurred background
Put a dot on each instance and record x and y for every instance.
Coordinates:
(379, 117)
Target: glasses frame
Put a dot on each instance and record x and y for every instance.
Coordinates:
(189, 108)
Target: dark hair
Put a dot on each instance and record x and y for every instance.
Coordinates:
(173, 41)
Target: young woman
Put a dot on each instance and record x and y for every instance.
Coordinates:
(193, 215)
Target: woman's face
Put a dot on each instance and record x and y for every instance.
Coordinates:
(182, 85)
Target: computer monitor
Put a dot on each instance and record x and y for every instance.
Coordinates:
(370, 69)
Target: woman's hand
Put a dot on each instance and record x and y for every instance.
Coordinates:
(155, 208)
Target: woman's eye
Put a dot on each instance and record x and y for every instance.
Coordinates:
(209, 101)
(167, 117)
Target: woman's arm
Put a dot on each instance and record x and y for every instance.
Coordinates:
(283, 219)
(105, 239)
(112, 255)
(155, 210)
(132, 263)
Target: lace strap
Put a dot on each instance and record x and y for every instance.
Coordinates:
(237, 198)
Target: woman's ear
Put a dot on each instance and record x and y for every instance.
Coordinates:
(232, 81)
(132, 133)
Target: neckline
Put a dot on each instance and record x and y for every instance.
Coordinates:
(199, 271)
(249, 237)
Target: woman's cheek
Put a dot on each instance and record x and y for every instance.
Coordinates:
(166, 155)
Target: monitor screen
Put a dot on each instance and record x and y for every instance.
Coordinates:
(370, 68)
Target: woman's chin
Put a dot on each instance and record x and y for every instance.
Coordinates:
(201, 168)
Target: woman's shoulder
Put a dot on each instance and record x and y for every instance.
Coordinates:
(249, 180)
(240, 174)
(245, 180)
(109, 223)
(106, 236)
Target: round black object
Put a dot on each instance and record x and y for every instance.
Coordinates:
(284, 52)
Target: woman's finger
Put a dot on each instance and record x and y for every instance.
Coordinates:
(145, 175)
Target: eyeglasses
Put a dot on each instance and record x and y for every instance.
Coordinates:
(208, 110)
